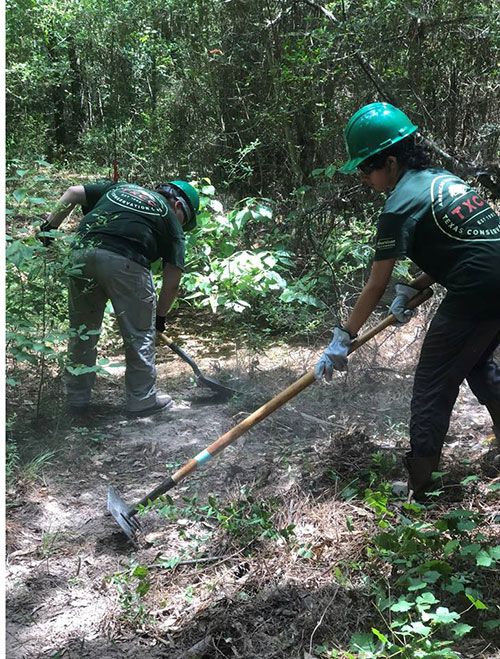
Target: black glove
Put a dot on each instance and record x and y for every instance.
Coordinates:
(160, 323)
(45, 240)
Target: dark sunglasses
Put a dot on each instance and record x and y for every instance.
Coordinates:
(368, 167)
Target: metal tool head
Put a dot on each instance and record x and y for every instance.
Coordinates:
(123, 514)
(214, 385)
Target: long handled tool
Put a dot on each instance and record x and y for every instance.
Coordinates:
(201, 380)
(125, 513)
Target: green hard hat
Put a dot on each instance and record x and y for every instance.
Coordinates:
(372, 129)
(191, 199)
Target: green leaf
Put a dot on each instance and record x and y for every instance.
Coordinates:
(429, 569)
(450, 547)
(444, 616)
(476, 602)
(427, 598)
(379, 635)
(469, 479)
(431, 576)
(471, 549)
(170, 563)
(461, 629)
(387, 541)
(402, 605)
(491, 625)
(455, 586)
(20, 194)
(494, 552)
(362, 642)
(484, 559)
(494, 487)
(418, 627)
(416, 584)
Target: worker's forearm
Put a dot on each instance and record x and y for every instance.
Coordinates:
(365, 304)
(73, 196)
(166, 299)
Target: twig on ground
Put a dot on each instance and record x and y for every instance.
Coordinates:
(206, 559)
(320, 621)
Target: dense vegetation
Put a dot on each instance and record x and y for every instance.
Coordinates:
(252, 94)
(251, 98)
(248, 98)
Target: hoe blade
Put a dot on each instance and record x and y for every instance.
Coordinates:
(123, 514)
(224, 392)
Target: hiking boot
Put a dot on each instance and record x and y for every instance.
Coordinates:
(420, 473)
(163, 402)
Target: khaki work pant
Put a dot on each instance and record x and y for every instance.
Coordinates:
(104, 276)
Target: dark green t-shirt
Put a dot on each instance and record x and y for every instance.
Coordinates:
(446, 228)
(133, 221)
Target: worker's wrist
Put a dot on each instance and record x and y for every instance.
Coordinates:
(353, 335)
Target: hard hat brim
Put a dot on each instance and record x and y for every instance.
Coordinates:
(350, 166)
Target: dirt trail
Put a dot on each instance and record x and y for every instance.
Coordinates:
(63, 548)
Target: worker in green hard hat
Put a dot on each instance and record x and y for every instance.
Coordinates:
(453, 235)
(124, 230)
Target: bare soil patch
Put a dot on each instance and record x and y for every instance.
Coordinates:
(212, 593)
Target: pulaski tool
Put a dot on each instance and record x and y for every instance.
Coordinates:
(201, 380)
(125, 513)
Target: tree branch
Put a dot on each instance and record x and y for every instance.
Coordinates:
(488, 175)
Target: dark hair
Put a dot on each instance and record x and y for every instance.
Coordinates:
(410, 153)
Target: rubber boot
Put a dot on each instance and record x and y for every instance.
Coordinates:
(420, 473)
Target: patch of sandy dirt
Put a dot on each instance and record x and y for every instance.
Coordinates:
(64, 548)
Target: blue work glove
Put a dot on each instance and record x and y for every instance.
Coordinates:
(398, 306)
(334, 355)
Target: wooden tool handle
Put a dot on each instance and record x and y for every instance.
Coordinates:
(166, 340)
(283, 397)
(163, 338)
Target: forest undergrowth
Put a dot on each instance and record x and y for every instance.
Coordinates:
(292, 544)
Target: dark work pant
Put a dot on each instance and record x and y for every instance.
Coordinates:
(453, 351)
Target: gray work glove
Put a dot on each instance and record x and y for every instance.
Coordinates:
(334, 355)
(398, 306)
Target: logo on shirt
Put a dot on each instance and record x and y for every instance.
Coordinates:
(138, 199)
(460, 212)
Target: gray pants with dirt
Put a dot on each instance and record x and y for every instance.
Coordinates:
(103, 276)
